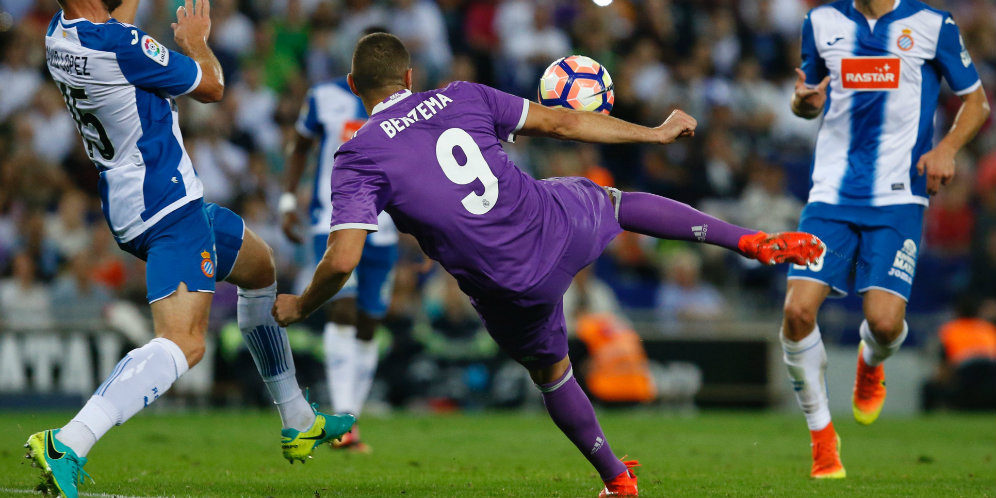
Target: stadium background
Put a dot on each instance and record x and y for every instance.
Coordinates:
(71, 302)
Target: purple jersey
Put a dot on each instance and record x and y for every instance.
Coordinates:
(434, 162)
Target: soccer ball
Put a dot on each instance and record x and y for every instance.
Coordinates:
(577, 82)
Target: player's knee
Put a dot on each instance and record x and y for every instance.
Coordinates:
(800, 320)
(191, 343)
(885, 327)
(194, 354)
(264, 270)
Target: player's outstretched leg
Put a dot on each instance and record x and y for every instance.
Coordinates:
(806, 361)
(141, 377)
(571, 410)
(304, 427)
(886, 311)
(669, 219)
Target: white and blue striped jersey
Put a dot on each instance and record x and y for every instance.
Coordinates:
(331, 114)
(885, 79)
(119, 85)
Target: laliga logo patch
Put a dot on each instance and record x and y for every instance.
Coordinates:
(905, 41)
(207, 266)
(155, 51)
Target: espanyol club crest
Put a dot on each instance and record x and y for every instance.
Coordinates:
(207, 266)
(905, 41)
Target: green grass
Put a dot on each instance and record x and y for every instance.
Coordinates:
(236, 453)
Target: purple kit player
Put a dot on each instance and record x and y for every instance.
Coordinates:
(434, 161)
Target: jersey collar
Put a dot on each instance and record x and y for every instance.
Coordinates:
(393, 99)
(895, 6)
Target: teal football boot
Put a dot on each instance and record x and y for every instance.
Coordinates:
(62, 469)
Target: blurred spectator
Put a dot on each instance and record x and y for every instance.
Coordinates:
(684, 296)
(765, 205)
(420, 24)
(24, 301)
(54, 132)
(966, 376)
(77, 299)
(19, 72)
(529, 43)
(257, 104)
(67, 227)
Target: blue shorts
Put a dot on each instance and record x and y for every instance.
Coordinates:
(372, 279)
(872, 247)
(196, 244)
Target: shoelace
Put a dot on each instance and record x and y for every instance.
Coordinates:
(79, 475)
(307, 399)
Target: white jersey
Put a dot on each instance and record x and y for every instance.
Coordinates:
(331, 114)
(118, 83)
(884, 84)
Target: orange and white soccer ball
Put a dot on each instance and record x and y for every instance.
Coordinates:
(577, 82)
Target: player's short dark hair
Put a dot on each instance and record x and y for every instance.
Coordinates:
(380, 60)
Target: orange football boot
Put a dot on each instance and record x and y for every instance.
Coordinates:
(623, 484)
(826, 454)
(787, 247)
(869, 390)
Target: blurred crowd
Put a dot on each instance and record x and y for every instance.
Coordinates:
(728, 63)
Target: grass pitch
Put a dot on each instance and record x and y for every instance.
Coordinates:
(236, 453)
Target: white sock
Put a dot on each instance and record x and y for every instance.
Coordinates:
(271, 351)
(340, 356)
(365, 363)
(874, 353)
(139, 378)
(806, 361)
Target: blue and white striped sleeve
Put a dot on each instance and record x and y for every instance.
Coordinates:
(148, 64)
(955, 62)
(812, 63)
(307, 121)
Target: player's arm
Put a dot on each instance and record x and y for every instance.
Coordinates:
(341, 257)
(307, 129)
(297, 160)
(939, 163)
(566, 124)
(808, 102)
(191, 30)
(958, 69)
(126, 11)
(810, 96)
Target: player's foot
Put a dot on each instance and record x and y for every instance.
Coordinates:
(623, 484)
(826, 454)
(350, 441)
(869, 390)
(787, 247)
(62, 470)
(298, 445)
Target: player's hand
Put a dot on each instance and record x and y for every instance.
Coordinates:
(289, 224)
(809, 101)
(939, 166)
(679, 124)
(193, 24)
(287, 309)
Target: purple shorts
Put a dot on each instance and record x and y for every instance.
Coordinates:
(530, 327)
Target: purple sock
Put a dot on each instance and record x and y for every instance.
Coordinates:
(571, 410)
(669, 219)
